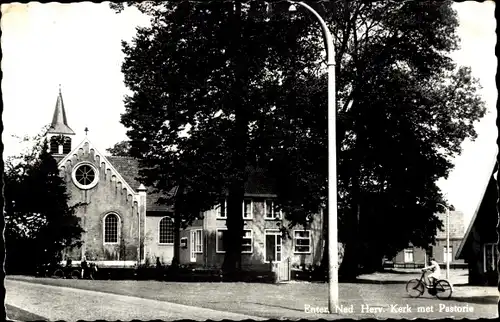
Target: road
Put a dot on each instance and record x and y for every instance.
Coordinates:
(70, 304)
(147, 300)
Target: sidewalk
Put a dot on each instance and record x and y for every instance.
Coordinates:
(458, 279)
(457, 276)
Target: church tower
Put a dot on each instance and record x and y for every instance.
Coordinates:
(59, 133)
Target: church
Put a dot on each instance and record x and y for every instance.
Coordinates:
(125, 226)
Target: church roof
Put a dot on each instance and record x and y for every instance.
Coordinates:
(59, 123)
(128, 167)
(257, 184)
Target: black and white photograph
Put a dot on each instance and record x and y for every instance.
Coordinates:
(235, 160)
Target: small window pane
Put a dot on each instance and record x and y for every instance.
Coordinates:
(199, 242)
(166, 231)
(408, 255)
(302, 241)
(221, 209)
(247, 242)
(269, 209)
(247, 206)
(220, 241)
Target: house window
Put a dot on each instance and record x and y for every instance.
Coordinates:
(111, 229)
(408, 255)
(448, 254)
(166, 231)
(247, 209)
(269, 211)
(302, 240)
(490, 257)
(221, 210)
(220, 246)
(273, 246)
(247, 242)
(196, 244)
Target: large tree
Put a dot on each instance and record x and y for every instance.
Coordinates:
(213, 70)
(120, 149)
(404, 108)
(40, 223)
(221, 86)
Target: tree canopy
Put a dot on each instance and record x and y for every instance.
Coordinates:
(40, 223)
(120, 149)
(221, 87)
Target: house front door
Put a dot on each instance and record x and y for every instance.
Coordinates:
(273, 246)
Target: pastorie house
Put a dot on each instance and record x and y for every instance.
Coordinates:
(416, 257)
(125, 226)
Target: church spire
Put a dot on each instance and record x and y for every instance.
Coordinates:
(59, 123)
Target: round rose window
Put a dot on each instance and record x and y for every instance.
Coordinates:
(85, 176)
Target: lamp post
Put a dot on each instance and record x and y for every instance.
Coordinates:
(447, 240)
(333, 287)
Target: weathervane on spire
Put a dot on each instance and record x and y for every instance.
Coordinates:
(86, 130)
(59, 87)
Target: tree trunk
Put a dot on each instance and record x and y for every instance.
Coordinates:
(177, 239)
(349, 269)
(234, 235)
(178, 208)
(238, 144)
(325, 259)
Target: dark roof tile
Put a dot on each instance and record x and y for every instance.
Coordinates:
(457, 227)
(128, 168)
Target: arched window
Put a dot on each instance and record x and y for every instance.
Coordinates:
(166, 231)
(111, 229)
(67, 145)
(54, 145)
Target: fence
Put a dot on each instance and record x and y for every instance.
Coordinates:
(283, 271)
(421, 265)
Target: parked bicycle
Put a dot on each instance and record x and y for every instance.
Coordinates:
(442, 289)
(70, 273)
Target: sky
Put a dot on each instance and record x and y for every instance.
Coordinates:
(79, 46)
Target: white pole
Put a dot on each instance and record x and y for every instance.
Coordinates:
(333, 280)
(448, 243)
(447, 256)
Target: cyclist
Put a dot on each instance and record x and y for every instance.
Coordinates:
(435, 272)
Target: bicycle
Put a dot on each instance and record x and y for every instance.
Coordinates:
(68, 273)
(442, 289)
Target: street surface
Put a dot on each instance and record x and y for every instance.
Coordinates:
(70, 304)
(375, 296)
